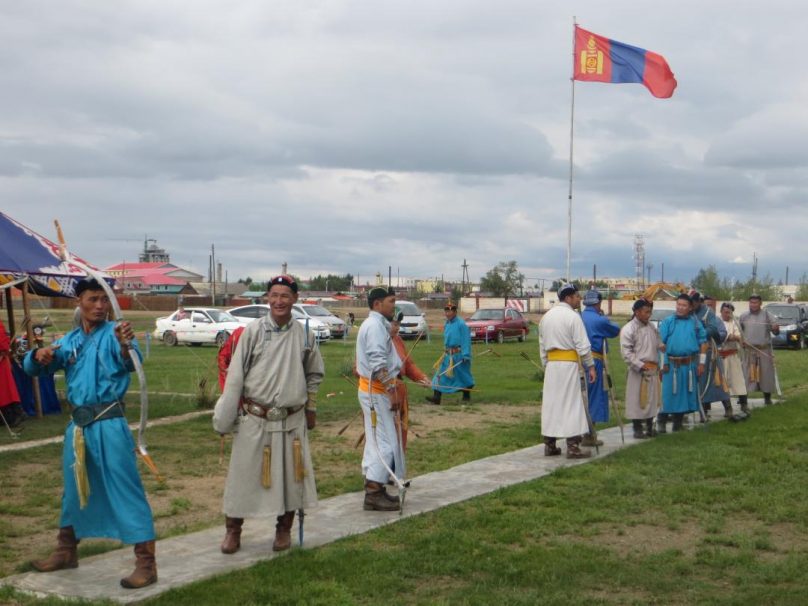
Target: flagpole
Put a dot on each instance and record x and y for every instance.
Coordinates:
(572, 123)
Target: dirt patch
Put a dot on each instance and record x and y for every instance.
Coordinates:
(644, 538)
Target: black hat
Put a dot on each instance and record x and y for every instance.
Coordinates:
(640, 303)
(379, 292)
(566, 290)
(87, 284)
(285, 280)
(728, 305)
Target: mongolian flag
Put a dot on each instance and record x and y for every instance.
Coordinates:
(599, 59)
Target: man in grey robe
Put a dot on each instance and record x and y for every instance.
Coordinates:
(639, 346)
(268, 403)
(756, 326)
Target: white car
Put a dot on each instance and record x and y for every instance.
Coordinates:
(413, 324)
(318, 312)
(195, 326)
(248, 313)
(661, 311)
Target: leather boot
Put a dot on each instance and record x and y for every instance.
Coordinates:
(727, 409)
(283, 532)
(649, 428)
(550, 448)
(434, 398)
(678, 421)
(744, 404)
(590, 440)
(145, 572)
(232, 536)
(377, 499)
(767, 399)
(662, 423)
(574, 451)
(639, 434)
(66, 554)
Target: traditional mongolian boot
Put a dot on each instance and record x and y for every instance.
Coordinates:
(744, 405)
(678, 419)
(232, 537)
(590, 440)
(649, 428)
(727, 409)
(639, 434)
(283, 532)
(377, 499)
(767, 399)
(66, 554)
(574, 451)
(550, 448)
(145, 572)
(434, 398)
(467, 395)
(662, 423)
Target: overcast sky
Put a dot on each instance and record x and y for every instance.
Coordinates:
(349, 136)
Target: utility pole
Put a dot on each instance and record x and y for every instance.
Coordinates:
(754, 271)
(662, 277)
(786, 274)
(465, 279)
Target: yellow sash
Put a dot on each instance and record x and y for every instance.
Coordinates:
(562, 355)
(377, 386)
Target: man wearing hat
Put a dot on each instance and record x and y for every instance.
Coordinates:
(639, 346)
(103, 495)
(454, 367)
(730, 352)
(598, 329)
(378, 365)
(757, 325)
(564, 347)
(684, 347)
(712, 384)
(269, 398)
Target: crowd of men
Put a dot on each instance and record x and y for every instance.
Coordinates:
(694, 358)
(272, 369)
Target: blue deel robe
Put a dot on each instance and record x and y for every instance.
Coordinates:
(710, 389)
(682, 337)
(455, 335)
(598, 329)
(47, 391)
(96, 373)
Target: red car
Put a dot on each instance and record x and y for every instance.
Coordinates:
(497, 325)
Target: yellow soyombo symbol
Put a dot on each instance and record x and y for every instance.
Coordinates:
(592, 58)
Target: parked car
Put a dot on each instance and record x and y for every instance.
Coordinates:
(195, 326)
(413, 324)
(497, 324)
(248, 313)
(793, 325)
(661, 311)
(318, 312)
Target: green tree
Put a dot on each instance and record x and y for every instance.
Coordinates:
(802, 289)
(504, 280)
(707, 281)
(765, 287)
(331, 283)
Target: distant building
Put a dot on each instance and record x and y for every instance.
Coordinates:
(152, 253)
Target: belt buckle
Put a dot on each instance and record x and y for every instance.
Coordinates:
(276, 413)
(256, 409)
(83, 415)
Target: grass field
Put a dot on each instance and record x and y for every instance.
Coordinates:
(714, 516)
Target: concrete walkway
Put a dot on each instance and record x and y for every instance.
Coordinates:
(184, 559)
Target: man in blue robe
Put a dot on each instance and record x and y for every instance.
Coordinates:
(684, 343)
(598, 329)
(712, 384)
(104, 497)
(454, 371)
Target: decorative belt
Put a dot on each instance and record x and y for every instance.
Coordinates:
(376, 386)
(452, 350)
(650, 365)
(562, 355)
(597, 355)
(270, 413)
(90, 413)
(680, 360)
(726, 353)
